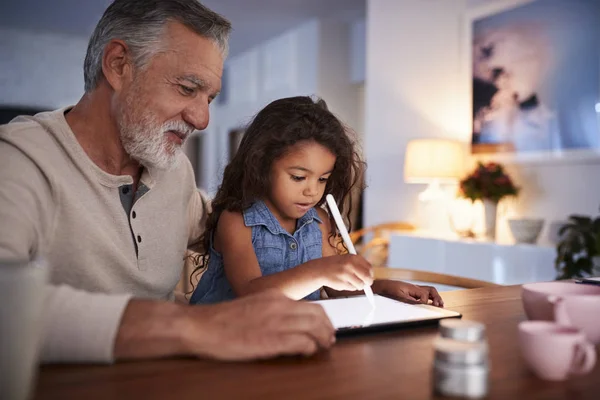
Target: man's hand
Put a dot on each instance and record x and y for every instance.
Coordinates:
(408, 292)
(253, 327)
(260, 326)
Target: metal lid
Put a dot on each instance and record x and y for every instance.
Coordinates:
(458, 352)
(464, 330)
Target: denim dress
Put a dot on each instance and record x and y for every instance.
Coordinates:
(276, 250)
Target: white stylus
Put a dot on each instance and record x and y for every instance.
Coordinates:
(344, 232)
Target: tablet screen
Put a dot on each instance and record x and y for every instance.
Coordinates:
(356, 312)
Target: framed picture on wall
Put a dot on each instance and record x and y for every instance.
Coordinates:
(535, 78)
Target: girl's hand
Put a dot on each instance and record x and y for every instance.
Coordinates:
(408, 292)
(345, 272)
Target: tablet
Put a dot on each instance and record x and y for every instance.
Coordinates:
(355, 314)
(591, 281)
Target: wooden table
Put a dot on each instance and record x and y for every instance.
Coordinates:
(393, 365)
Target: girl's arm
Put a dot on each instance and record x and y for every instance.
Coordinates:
(233, 240)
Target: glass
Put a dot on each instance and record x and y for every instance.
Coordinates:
(22, 295)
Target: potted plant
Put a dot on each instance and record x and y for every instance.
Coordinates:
(490, 184)
(578, 251)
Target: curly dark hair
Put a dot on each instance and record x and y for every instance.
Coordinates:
(277, 127)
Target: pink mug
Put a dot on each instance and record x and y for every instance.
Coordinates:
(553, 351)
(579, 312)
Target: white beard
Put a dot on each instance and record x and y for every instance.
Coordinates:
(145, 140)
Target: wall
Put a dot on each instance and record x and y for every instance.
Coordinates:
(412, 90)
(335, 72)
(416, 87)
(40, 69)
(358, 50)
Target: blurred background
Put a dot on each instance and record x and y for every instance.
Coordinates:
(393, 70)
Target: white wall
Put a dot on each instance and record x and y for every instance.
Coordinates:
(335, 72)
(40, 69)
(416, 87)
(412, 90)
(358, 51)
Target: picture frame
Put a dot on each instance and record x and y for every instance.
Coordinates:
(509, 40)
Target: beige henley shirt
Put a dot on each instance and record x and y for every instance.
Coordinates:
(57, 204)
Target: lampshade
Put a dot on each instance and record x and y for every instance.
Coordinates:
(427, 160)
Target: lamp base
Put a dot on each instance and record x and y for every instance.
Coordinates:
(433, 209)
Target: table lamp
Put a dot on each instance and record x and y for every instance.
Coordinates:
(434, 162)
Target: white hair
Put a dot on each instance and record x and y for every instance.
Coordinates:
(141, 23)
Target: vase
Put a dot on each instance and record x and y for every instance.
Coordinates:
(490, 210)
(596, 267)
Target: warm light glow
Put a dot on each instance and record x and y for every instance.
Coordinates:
(430, 160)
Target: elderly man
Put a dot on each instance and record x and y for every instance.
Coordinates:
(103, 192)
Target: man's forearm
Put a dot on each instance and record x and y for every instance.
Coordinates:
(152, 329)
(258, 326)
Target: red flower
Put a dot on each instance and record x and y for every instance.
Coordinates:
(491, 167)
(488, 181)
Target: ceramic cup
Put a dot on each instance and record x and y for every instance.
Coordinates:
(553, 351)
(580, 312)
(538, 307)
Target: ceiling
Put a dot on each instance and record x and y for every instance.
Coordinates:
(254, 21)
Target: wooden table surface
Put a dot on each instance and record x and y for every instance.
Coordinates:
(392, 365)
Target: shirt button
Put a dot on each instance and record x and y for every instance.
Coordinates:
(133, 214)
(139, 238)
(125, 190)
(293, 245)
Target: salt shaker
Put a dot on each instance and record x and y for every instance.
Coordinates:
(460, 368)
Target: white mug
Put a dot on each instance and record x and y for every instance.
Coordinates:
(22, 296)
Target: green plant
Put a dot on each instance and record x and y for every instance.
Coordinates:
(488, 181)
(579, 244)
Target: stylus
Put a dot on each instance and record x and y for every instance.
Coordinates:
(344, 232)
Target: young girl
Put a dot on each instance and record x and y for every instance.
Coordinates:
(267, 228)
